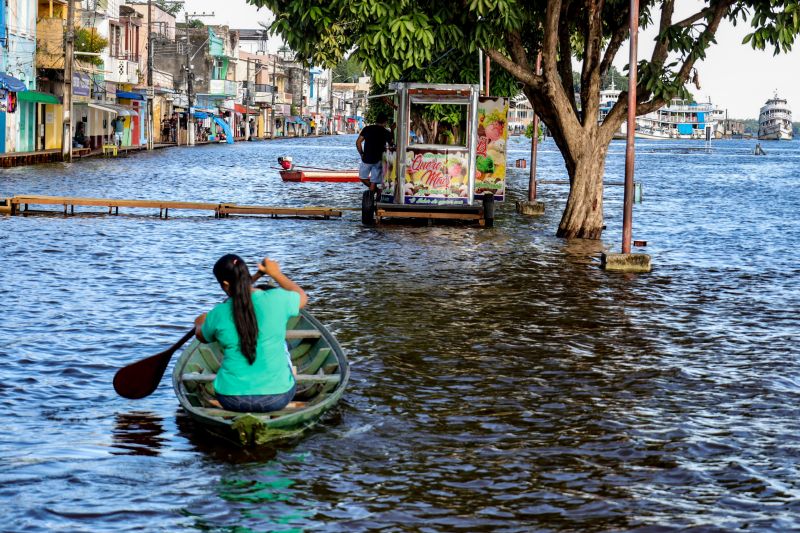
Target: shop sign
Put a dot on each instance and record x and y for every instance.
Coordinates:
(436, 177)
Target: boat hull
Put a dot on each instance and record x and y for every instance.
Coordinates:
(330, 176)
(778, 135)
(323, 373)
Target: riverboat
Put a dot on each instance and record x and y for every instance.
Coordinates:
(775, 120)
(323, 373)
(677, 120)
(330, 176)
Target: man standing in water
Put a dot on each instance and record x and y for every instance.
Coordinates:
(371, 144)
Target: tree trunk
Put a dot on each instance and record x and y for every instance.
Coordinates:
(583, 215)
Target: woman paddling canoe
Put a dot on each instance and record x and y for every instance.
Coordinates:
(250, 326)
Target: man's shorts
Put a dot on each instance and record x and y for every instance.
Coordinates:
(372, 172)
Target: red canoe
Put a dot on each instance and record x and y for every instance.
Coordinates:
(335, 176)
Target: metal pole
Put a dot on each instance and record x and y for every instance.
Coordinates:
(69, 48)
(488, 70)
(630, 154)
(480, 67)
(534, 142)
(150, 128)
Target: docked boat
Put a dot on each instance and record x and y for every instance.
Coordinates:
(677, 120)
(331, 176)
(323, 372)
(775, 120)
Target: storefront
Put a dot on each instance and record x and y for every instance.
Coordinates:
(42, 122)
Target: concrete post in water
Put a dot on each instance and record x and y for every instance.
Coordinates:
(626, 261)
(532, 207)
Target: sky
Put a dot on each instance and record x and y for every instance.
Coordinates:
(734, 76)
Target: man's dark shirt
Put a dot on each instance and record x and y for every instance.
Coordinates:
(375, 139)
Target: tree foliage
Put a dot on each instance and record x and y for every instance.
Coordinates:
(347, 70)
(171, 7)
(88, 40)
(439, 40)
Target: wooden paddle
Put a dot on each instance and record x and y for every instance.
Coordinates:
(140, 379)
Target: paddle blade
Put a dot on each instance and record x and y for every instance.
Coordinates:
(140, 379)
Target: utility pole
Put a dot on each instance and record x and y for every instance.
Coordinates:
(190, 79)
(274, 89)
(330, 103)
(69, 48)
(317, 113)
(247, 103)
(150, 90)
(189, 87)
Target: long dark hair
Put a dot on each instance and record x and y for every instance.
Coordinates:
(231, 268)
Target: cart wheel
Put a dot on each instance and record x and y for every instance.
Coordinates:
(368, 208)
(488, 209)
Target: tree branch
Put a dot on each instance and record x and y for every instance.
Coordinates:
(590, 74)
(550, 42)
(521, 71)
(565, 62)
(617, 38)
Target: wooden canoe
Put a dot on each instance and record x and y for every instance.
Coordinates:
(333, 176)
(323, 372)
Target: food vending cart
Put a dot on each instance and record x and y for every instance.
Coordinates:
(458, 176)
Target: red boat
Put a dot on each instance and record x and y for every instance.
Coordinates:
(334, 176)
(291, 173)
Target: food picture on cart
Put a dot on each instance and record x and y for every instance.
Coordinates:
(437, 174)
(490, 162)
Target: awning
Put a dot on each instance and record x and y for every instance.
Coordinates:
(129, 95)
(10, 83)
(239, 108)
(122, 110)
(37, 96)
(105, 108)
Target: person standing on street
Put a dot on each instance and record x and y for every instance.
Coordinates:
(371, 144)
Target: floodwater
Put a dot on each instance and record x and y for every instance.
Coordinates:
(500, 379)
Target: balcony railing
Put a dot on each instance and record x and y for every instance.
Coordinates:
(50, 43)
(222, 87)
(122, 71)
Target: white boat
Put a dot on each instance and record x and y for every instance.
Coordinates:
(775, 120)
(677, 120)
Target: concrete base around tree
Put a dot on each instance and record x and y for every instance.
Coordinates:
(626, 262)
(530, 208)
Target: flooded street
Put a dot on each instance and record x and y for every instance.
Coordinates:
(500, 379)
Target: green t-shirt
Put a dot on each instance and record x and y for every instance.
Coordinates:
(271, 372)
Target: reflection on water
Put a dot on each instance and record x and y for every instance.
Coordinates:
(138, 433)
(500, 379)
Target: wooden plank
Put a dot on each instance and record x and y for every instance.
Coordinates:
(429, 215)
(303, 334)
(311, 367)
(206, 377)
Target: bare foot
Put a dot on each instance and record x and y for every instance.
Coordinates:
(295, 405)
(214, 403)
